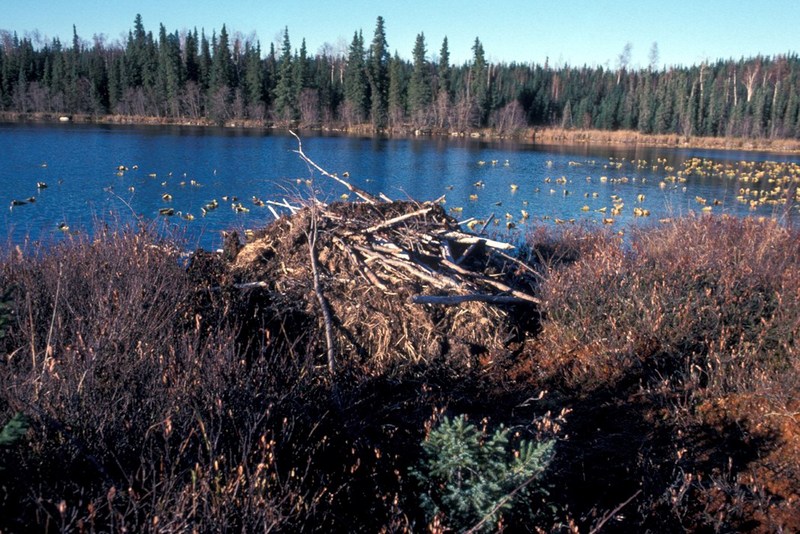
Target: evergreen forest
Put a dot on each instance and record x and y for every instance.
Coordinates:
(225, 77)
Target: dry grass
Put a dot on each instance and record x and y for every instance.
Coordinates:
(161, 398)
(145, 415)
(685, 339)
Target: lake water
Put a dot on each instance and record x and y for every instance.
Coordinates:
(186, 168)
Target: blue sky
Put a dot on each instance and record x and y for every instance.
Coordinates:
(576, 32)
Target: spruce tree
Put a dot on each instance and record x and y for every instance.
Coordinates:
(115, 82)
(479, 83)
(222, 64)
(302, 72)
(254, 80)
(135, 52)
(355, 80)
(469, 477)
(204, 63)
(379, 75)
(419, 87)
(285, 94)
(443, 86)
(192, 64)
(270, 76)
(397, 100)
(444, 71)
(170, 76)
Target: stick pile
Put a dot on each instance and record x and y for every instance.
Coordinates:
(391, 282)
(422, 243)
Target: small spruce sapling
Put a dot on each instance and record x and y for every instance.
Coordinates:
(470, 477)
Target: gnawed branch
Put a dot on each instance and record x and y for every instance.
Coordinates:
(363, 195)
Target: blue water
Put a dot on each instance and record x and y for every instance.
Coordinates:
(79, 164)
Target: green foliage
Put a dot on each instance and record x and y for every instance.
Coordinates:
(471, 477)
(222, 64)
(479, 83)
(419, 87)
(397, 82)
(169, 76)
(15, 429)
(285, 93)
(379, 75)
(444, 69)
(355, 79)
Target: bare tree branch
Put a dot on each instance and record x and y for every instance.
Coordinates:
(353, 189)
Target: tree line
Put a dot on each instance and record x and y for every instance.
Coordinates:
(222, 77)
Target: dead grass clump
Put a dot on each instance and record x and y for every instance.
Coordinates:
(693, 327)
(144, 414)
(711, 296)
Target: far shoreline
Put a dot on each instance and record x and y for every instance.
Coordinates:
(533, 135)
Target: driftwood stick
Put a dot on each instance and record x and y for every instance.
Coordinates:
(490, 282)
(421, 272)
(353, 189)
(243, 286)
(385, 247)
(446, 252)
(284, 204)
(447, 300)
(391, 222)
(468, 239)
(470, 250)
(459, 269)
(436, 280)
(293, 209)
(251, 285)
(486, 224)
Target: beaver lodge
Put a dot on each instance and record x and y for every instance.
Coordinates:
(391, 282)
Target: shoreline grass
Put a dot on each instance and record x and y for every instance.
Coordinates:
(534, 135)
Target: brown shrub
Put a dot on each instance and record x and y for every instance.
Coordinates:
(688, 332)
(162, 397)
(716, 297)
(144, 413)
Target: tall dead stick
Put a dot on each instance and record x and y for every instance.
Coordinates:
(612, 513)
(327, 316)
(522, 264)
(363, 195)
